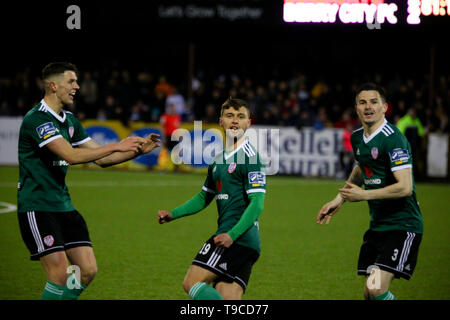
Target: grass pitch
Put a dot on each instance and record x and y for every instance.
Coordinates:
(140, 259)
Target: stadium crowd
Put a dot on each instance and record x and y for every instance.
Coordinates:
(300, 100)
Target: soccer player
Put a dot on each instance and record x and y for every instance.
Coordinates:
(384, 166)
(50, 140)
(237, 180)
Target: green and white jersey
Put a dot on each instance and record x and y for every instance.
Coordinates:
(42, 173)
(379, 155)
(231, 178)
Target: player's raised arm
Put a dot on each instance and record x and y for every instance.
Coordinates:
(197, 203)
(62, 148)
(149, 143)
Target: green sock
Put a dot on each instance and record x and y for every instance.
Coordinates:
(52, 291)
(72, 289)
(385, 296)
(203, 291)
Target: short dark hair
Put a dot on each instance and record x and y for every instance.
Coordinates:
(57, 68)
(235, 104)
(369, 86)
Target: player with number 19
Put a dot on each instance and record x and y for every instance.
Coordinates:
(237, 180)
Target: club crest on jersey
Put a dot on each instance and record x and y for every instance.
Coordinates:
(71, 131)
(256, 178)
(232, 167)
(49, 240)
(46, 130)
(374, 152)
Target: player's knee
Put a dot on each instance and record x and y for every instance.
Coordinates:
(88, 274)
(58, 275)
(187, 284)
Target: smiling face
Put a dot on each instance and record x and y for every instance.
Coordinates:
(65, 86)
(371, 108)
(234, 122)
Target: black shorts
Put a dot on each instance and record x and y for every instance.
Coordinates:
(47, 232)
(233, 264)
(394, 251)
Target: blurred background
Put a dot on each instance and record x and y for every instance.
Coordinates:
(137, 59)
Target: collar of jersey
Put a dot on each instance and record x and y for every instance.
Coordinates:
(48, 109)
(366, 140)
(228, 156)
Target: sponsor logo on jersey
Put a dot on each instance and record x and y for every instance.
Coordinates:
(399, 156)
(374, 152)
(256, 178)
(60, 163)
(222, 196)
(372, 181)
(46, 130)
(232, 167)
(71, 131)
(49, 240)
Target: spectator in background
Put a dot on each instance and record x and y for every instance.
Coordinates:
(144, 86)
(140, 112)
(170, 121)
(346, 121)
(163, 87)
(89, 94)
(5, 109)
(158, 106)
(346, 156)
(411, 126)
(322, 120)
(178, 102)
(210, 114)
(410, 120)
(127, 92)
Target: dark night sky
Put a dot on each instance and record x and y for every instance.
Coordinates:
(131, 31)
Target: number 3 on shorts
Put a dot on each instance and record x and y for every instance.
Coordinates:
(394, 256)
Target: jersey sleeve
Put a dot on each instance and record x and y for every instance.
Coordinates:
(41, 129)
(398, 152)
(208, 186)
(80, 135)
(255, 177)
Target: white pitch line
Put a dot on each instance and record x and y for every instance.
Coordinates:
(9, 207)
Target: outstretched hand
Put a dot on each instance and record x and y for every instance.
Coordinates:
(151, 143)
(328, 210)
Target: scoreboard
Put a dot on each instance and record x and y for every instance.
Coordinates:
(410, 12)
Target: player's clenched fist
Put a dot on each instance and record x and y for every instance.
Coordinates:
(164, 216)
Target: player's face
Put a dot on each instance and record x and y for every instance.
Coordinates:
(370, 107)
(235, 122)
(66, 87)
